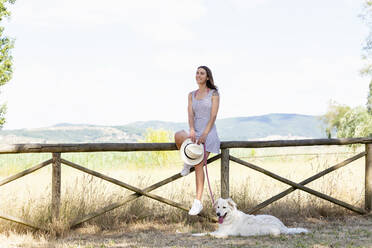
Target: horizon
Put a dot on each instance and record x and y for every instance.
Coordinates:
(126, 61)
(181, 122)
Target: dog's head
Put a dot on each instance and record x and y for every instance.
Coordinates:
(223, 208)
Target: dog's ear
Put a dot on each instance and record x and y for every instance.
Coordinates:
(215, 203)
(231, 203)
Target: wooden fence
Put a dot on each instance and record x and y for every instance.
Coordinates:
(56, 161)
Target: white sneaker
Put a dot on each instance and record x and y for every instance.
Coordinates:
(186, 169)
(196, 207)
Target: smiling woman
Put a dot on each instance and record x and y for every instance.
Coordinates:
(203, 106)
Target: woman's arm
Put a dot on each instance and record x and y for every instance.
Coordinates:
(212, 119)
(191, 119)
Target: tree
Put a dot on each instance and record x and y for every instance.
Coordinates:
(333, 117)
(369, 99)
(367, 50)
(6, 44)
(355, 123)
(158, 157)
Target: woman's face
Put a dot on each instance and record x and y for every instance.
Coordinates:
(201, 76)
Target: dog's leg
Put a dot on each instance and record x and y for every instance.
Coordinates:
(296, 230)
(275, 232)
(217, 234)
(199, 234)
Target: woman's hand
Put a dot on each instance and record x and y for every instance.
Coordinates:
(202, 138)
(192, 135)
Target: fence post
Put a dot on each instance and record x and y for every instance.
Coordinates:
(368, 178)
(225, 173)
(56, 185)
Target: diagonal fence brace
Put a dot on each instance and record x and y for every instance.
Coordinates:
(306, 181)
(130, 187)
(17, 176)
(298, 186)
(136, 195)
(25, 172)
(19, 221)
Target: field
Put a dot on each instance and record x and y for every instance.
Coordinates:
(145, 222)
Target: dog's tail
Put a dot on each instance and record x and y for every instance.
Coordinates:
(296, 230)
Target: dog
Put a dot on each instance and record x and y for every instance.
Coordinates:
(232, 222)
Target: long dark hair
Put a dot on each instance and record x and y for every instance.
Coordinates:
(210, 81)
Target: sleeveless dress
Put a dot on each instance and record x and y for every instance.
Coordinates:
(202, 113)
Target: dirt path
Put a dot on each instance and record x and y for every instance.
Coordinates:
(350, 232)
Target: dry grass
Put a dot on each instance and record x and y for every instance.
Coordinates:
(351, 232)
(30, 196)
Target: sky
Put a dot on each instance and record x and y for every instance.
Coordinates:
(115, 62)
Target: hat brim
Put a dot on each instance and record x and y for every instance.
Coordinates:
(187, 160)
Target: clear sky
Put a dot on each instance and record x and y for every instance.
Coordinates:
(114, 62)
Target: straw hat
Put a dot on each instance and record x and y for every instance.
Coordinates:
(191, 153)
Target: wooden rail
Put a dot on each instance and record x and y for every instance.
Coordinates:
(130, 147)
(57, 161)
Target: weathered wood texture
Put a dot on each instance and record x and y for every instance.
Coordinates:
(132, 188)
(57, 149)
(308, 180)
(136, 195)
(56, 185)
(284, 143)
(368, 178)
(299, 186)
(225, 175)
(102, 147)
(25, 172)
(19, 221)
(87, 147)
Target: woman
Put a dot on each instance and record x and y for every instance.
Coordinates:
(203, 106)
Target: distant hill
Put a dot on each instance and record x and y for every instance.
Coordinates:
(271, 126)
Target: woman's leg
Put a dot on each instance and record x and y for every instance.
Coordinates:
(199, 175)
(180, 137)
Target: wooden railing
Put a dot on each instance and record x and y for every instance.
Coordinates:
(56, 161)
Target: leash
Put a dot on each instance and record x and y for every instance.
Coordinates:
(206, 172)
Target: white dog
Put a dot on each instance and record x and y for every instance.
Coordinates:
(236, 223)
